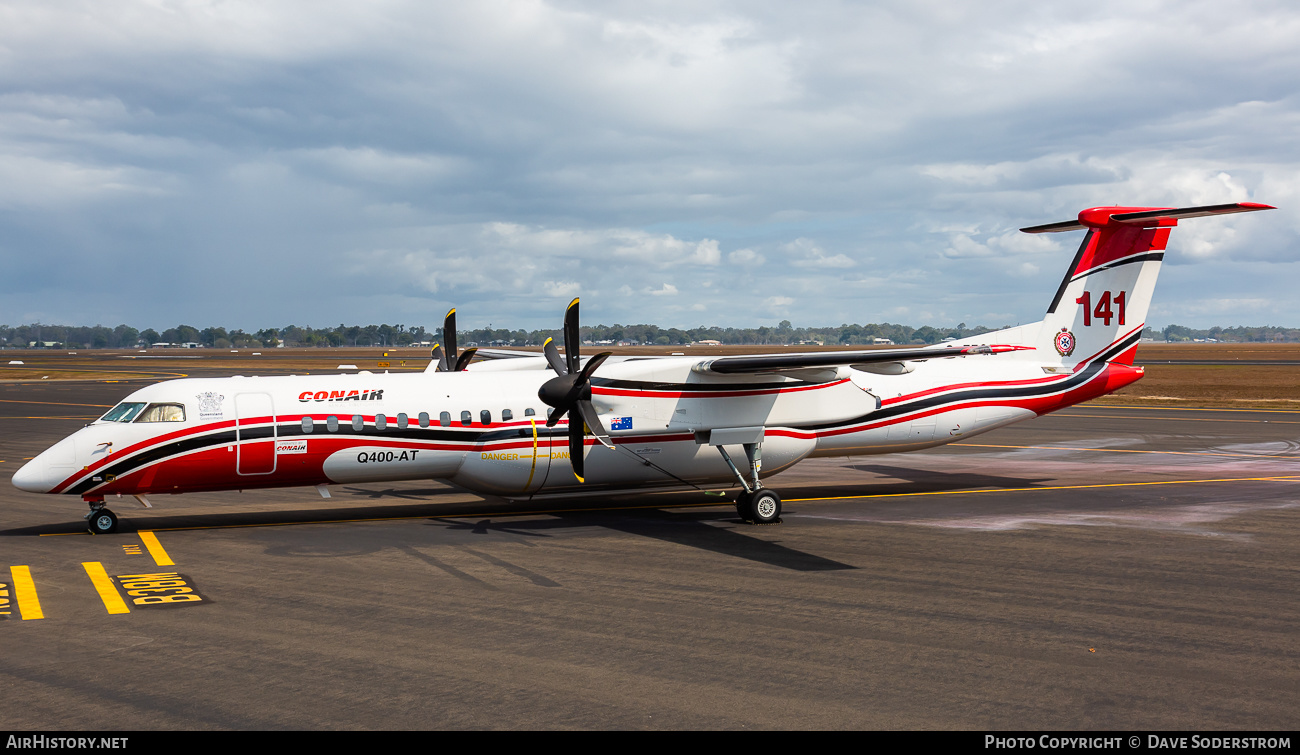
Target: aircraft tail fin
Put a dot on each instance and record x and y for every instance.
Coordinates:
(1100, 309)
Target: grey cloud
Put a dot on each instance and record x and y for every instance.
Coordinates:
(335, 161)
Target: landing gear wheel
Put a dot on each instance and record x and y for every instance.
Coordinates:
(102, 522)
(743, 509)
(765, 507)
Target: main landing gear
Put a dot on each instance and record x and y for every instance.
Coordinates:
(761, 506)
(756, 504)
(100, 521)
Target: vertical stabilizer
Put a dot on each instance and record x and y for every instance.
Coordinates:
(1101, 306)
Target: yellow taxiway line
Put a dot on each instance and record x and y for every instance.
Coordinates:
(1186, 408)
(156, 550)
(1289, 478)
(1126, 451)
(104, 586)
(52, 403)
(25, 591)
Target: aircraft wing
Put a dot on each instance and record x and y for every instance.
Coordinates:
(756, 363)
(506, 354)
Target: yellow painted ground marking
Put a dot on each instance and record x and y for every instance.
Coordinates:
(156, 550)
(1113, 407)
(52, 403)
(1291, 478)
(79, 419)
(1125, 451)
(1183, 419)
(25, 592)
(104, 586)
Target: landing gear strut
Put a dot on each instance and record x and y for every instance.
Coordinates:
(756, 504)
(100, 521)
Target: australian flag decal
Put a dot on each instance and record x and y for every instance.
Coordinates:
(621, 423)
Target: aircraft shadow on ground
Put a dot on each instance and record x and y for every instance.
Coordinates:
(929, 480)
(649, 515)
(695, 529)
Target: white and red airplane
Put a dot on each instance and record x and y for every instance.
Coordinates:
(522, 425)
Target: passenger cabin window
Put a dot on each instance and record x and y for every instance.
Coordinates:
(529, 412)
(402, 421)
(123, 412)
(358, 422)
(162, 413)
(381, 422)
(444, 419)
(507, 415)
(485, 417)
(424, 419)
(466, 419)
(308, 425)
(332, 424)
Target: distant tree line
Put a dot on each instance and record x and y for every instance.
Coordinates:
(127, 337)
(1238, 334)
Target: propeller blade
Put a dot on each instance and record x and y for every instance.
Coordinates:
(465, 357)
(575, 449)
(591, 366)
(556, 416)
(553, 357)
(571, 337)
(439, 357)
(449, 339)
(592, 420)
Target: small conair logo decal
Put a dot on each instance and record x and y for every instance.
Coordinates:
(1064, 343)
(291, 447)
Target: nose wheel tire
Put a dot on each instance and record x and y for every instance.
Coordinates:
(102, 522)
(760, 507)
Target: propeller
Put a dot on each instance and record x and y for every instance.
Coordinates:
(445, 353)
(570, 391)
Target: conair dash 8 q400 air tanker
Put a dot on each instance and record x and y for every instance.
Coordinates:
(520, 425)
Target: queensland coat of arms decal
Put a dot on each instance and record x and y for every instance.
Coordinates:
(210, 405)
(1065, 343)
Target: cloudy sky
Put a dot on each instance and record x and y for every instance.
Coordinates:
(255, 164)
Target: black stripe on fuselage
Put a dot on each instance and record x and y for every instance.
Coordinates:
(974, 394)
(641, 385)
(431, 434)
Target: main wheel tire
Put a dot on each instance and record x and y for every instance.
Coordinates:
(102, 522)
(765, 507)
(744, 509)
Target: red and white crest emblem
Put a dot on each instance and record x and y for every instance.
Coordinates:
(1064, 343)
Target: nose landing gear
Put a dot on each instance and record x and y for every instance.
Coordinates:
(100, 521)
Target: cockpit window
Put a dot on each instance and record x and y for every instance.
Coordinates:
(124, 412)
(163, 413)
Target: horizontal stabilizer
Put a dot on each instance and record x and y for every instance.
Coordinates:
(1097, 217)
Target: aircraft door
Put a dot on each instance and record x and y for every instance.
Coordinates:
(255, 434)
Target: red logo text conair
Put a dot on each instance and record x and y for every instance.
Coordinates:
(367, 395)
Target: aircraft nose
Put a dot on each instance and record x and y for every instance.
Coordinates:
(32, 477)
